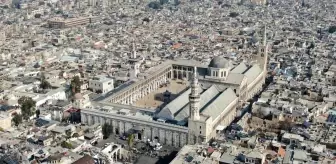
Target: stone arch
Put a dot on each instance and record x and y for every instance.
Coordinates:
(179, 75)
(184, 73)
(175, 74)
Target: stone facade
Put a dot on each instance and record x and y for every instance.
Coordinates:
(167, 134)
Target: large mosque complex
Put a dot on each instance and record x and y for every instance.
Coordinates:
(208, 102)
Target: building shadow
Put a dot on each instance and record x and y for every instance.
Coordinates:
(167, 158)
(161, 97)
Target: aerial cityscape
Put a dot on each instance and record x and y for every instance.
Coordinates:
(168, 82)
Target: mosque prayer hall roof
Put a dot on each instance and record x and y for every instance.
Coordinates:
(219, 62)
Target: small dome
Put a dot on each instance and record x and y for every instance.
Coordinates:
(78, 96)
(219, 62)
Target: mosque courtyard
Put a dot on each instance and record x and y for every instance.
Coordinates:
(156, 98)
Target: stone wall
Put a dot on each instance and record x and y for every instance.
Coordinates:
(167, 134)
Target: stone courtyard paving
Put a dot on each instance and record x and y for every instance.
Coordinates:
(155, 98)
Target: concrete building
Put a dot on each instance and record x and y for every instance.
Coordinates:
(5, 122)
(71, 22)
(259, 2)
(101, 84)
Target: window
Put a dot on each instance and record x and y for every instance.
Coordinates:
(200, 127)
(224, 73)
(200, 132)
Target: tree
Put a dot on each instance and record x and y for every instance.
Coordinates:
(276, 91)
(75, 85)
(76, 135)
(17, 119)
(44, 83)
(66, 145)
(68, 133)
(162, 2)
(37, 15)
(37, 112)
(332, 29)
(27, 106)
(130, 140)
(233, 14)
(117, 83)
(107, 130)
(154, 5)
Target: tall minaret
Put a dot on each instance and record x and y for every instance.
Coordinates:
(194, 98)
(263, 53)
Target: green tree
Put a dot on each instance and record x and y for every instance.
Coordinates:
(154, 5)
(162, 2)
(68, 133)
(117, 83)
(67, 145)
(44, 83)
(233, 14)
(107, 130)
(332, 29)
(17, 119)
(130, 140)
(37, 112)
(75, 85)
(27, 106)
(75, 135)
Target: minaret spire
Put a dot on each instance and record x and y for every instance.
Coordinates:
(195, 74)
(194, 97)
(263, 53)
(265, 36)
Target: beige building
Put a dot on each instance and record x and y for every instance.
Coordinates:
(71, 22)
(5, 122)
(207, 106)
(259, 2)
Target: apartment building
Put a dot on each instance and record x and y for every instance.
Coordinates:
(101, 84)
(70, 22)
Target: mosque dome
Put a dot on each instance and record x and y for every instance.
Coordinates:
(219, 62)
